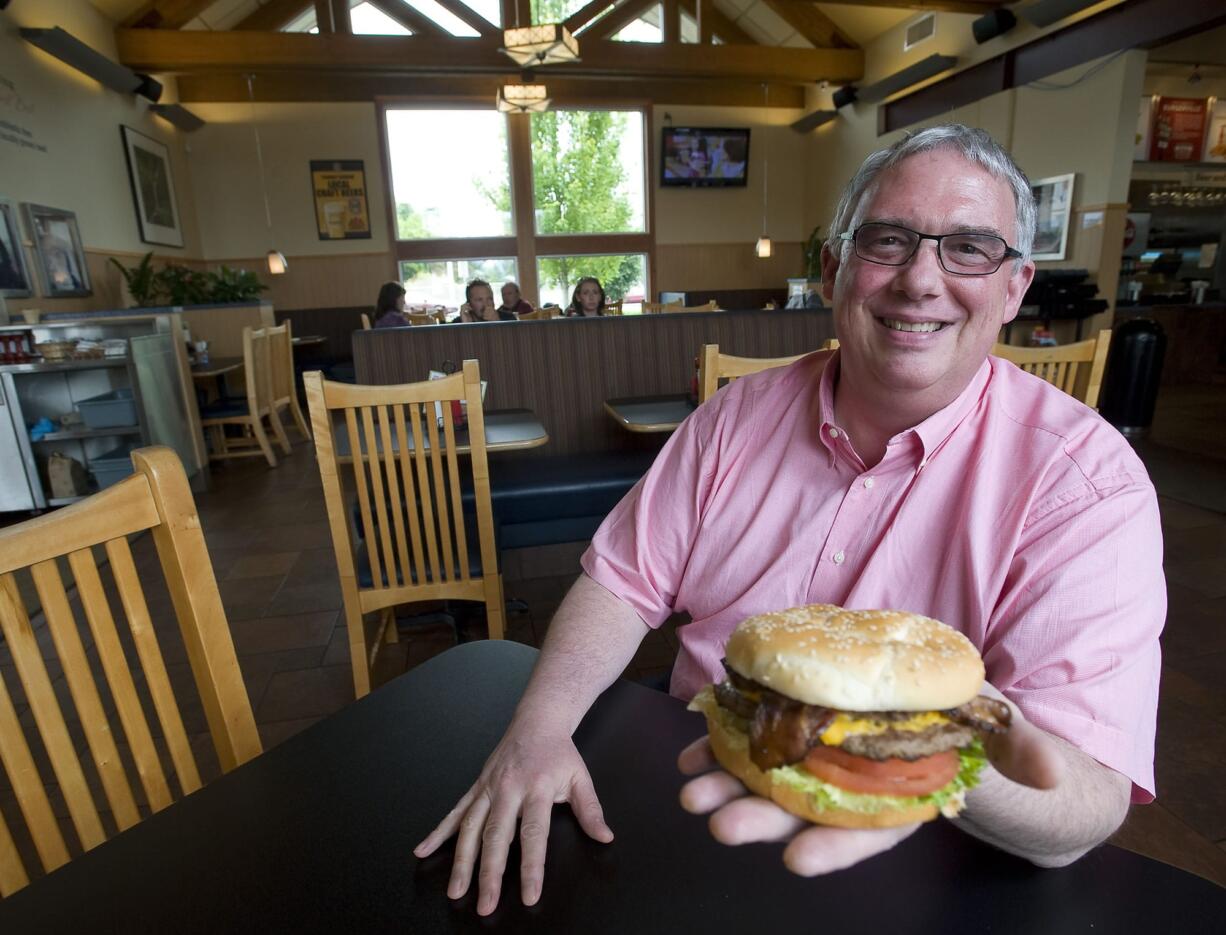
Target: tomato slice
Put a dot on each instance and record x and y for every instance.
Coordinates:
(881, 777)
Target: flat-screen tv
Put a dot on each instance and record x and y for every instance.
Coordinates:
(704, 157)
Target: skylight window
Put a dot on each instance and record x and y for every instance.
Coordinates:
(444, 18)
(644, 29)
(371, 21)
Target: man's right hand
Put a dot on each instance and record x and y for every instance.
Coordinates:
(525, 776)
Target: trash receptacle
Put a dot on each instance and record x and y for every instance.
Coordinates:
(1134, 370)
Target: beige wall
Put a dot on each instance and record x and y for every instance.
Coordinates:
(77, 161)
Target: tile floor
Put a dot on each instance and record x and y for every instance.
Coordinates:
(268, 537)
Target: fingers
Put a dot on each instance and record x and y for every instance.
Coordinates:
(445, 829)
(709, 792)
(823, 850)
(696, 758)
(587, 809)
(533, 838)
(752, 819)
(1026, 755)
(496, 839)
(467, 845)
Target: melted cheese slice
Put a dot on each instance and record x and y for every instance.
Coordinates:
(846, 725)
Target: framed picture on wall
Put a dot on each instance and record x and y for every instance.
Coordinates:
(1054, 197)
(15, 282)
(61, 257)
(341, 211)
(153, 189)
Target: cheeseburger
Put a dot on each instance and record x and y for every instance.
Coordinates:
(855, 718)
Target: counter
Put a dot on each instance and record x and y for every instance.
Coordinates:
(1195, 339)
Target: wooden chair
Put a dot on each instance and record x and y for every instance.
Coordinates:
(250, 412)
(613, 308)
(366, 325)
(710, 306)
(1075, 368)
(655, 308)
(418, 543)
(422, 318)
(284, 383)
(830, 344)
(714, 366)
(540, 314)
(156, 497)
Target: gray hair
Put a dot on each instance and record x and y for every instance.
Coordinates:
(974, 145)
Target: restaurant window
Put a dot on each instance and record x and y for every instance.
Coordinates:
(624, 277)
(450, 173)
(554, 11)
(442, 282)
(587, 171)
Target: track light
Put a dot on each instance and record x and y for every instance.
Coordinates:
(993, 24)
(844, 96)
(149, 87)
(178, 115)
(814, 120)
(1045, 12)
(74, 52)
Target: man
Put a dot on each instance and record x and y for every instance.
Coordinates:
(479, 302)
(907, 470)
(513, 304)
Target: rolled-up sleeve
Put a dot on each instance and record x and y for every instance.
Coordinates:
(1074, 639)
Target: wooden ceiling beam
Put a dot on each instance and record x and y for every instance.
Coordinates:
(409, 18)
(586, 14)
(275, 15)
(718, 23)
(174, 52)
(814, 25)
(940, 6)
(469, 16)
(167, 14)
(624, 15)
(313, 87)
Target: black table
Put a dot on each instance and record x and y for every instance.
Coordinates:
(316, 835)
(649, 414)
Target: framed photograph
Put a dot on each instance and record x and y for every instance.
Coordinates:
(341, 211)
(1054, 197)
(60, 254)
(153, 189)
(15, 282)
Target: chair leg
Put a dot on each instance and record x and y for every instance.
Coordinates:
(388, 625)
(279, 430)
(257, 429)
(299, 419)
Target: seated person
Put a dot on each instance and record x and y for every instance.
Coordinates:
(513, 304)
(479, 304)
(389, 307)
(587, 300)
(731, 164)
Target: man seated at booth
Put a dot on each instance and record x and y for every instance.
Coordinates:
(907, 469)
(513, 304)
(479, 302)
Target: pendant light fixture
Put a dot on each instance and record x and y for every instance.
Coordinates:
(762, 249)
(522, 98)
(539, 43)
(277, 264)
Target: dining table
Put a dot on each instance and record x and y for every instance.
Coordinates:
(317, 835)
(505, 430)
(216, 368)
(650, 414)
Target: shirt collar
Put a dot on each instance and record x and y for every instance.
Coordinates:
(932, 432)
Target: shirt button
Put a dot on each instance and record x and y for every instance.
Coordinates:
(838, 557)
(834, 433)
(868, 483)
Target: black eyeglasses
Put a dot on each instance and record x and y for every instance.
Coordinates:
(960, 254)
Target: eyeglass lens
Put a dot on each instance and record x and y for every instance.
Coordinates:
(959, 253)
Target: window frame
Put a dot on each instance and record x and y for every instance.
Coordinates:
(526, 245)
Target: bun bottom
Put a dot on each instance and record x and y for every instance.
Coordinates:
(731, 748)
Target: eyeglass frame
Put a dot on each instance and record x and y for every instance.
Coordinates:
(1009, 254)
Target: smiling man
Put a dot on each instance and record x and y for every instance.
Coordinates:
(906, 470)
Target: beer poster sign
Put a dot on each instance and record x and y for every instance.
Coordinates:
(1179, 129)
(341, 209)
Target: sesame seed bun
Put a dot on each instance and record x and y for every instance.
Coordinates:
(857, 660)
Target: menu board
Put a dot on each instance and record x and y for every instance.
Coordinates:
(341, 212)
(1215, 142)
(1179, 129)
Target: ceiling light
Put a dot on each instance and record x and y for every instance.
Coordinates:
(276, 262)
(844, 96)
(276, 259)
(543, 44)
(178, 115)
(1196, 76)
(763, 247)
(522, 98)
(76, 53)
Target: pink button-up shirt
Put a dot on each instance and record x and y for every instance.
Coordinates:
(1015, 515)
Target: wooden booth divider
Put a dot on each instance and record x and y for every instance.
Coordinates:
(564, 369)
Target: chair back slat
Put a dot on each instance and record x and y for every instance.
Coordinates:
(140, 624)
(411, 504)
(84, 691)
(48, 717)
(714, 366)
(119, 678)
(1077, 369)
(31, 796)
(281, 360)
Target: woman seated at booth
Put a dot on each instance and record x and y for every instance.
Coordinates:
(587, 300)
(479, 302)
(389, 307)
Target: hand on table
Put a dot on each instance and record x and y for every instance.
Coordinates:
(1024, 755)
(521, 781)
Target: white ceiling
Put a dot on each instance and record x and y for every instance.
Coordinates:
(861, 24)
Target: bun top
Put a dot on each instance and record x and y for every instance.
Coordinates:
(858, 660)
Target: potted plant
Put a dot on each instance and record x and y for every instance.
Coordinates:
(143, 282)
(235, 285)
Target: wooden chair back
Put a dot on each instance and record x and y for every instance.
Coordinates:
(416, 543)
(422, 318)
(366, 325)
(613, 308)
(830, 344)
(282, 380)
(1075, 368)
(157, 498)
(655, 308)
(714, 366)
(711, 306)
(539, 314)
(258, 377)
